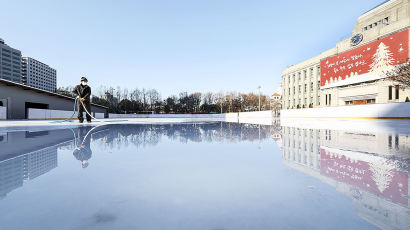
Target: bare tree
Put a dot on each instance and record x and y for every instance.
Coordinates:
(144, 98)
(208, 98)
(276, 106)
(136, 95)
(125, 93)
(401, 75)
(153, 98)
(220, 100)
(196, 101)
(118, 93)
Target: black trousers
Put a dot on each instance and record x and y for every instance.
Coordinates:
(81, 110)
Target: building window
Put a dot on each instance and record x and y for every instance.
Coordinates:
(311, 86)
(386, 21)
(397, 92)
(365, 28)
(299, 89)
(326, 100)
(330, 99)
(370, 101)
(390, 92)
(318, 84)
(305, 88)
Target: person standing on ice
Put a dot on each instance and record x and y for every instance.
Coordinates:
(83, 94)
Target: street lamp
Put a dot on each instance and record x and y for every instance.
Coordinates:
(259, 88)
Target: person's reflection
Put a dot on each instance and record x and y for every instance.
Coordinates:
(83, 151)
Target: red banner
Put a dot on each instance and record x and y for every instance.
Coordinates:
(377, 177)
(375, 57)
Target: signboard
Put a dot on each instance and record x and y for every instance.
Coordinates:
(367, 62)
(376, 176)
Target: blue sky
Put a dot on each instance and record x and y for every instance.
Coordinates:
(180, 45)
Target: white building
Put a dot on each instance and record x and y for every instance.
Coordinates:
(351, 73)
(38, 75)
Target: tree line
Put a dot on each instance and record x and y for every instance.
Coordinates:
(123, 100)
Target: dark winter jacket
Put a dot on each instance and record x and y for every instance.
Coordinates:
(83, 92)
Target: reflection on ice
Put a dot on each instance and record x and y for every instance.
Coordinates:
(38, 155)
(368, 162)
(371, 167)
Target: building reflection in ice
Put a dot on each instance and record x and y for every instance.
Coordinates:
(370, 167)
(27, 155)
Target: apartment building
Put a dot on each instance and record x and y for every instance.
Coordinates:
(10, 63)
(38, 75)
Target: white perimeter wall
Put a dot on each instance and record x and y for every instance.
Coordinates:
(261, 114)
(3, 112)
(390, 110)
(257, 114)
(223, 115)
(55, 114)
(40, 114)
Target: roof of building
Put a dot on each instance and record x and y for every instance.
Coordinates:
(376, 6)
(26, 87)
(30, 58)
(276, 94)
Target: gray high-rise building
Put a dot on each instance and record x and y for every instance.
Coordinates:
(38, 75)
(10, 63)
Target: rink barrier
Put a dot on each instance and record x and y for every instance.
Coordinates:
(399, 110)
(3, 113)
(241, 115)
(49, 114)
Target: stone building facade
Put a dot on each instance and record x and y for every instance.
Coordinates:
(308, 84)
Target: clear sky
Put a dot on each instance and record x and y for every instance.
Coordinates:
(179, 45)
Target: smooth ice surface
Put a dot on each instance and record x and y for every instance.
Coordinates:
(205, 175)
